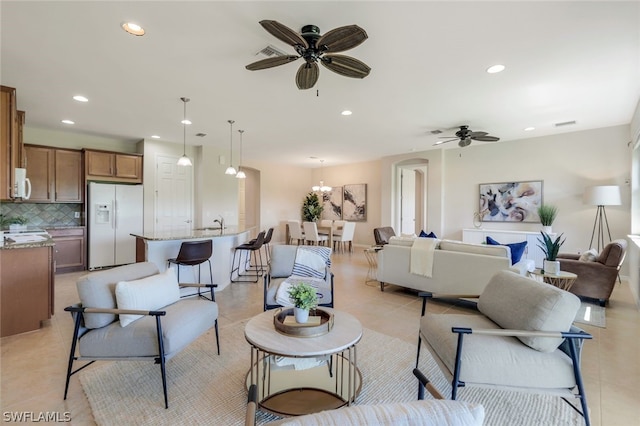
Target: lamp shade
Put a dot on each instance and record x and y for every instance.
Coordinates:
(607, 195)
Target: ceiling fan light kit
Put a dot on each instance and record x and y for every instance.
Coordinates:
(464, 136)
(314, 48)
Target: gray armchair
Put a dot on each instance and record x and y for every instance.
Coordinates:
(596, 279)
(522, 338)
(282, 262)
(112, 323)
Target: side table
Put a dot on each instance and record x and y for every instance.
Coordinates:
(371, 254)
(287, 391)
(563, 280)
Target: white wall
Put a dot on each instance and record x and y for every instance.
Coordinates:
(216, 193)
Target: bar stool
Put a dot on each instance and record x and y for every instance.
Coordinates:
(193, 253)
(255, 270)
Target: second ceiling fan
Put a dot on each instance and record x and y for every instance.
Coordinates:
(314, 48)
(464, 136)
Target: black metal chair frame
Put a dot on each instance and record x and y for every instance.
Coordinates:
(573, 341)
(184, 258)
(78, 311)
(252, 271)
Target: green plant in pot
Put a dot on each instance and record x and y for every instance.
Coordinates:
(311, 207)
(550, 248)
(15, 222)
(547, 214)
(304, 297)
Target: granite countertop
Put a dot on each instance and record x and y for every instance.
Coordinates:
(26, 241)
(190, 234)
(63, 226)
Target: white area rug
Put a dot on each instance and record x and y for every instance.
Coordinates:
(592, 314)
(205, 388)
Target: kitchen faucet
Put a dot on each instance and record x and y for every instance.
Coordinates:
(220, 221)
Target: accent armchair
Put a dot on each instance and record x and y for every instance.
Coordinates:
(134, 312)
(596, 277)
(415, 413)
(382, 235)
(522, 339)
(283, 259)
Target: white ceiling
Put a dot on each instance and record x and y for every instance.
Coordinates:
(565, 61)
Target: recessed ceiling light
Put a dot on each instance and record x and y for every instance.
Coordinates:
(155, 136)
(80, 98)
(495, 68)
(187, 122)
(68, 122)
(346, 112)
(528, 129)
(133, 28)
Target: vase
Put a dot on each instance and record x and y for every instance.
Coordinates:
(547, 229)
(301, 315)
(552, 267)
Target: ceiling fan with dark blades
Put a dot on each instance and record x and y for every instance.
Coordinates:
(464, 136)
(314, 48)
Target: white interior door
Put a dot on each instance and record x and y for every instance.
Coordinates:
(408, 201)
(174, 198)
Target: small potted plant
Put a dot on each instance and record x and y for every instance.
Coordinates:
(16, 223)
(303, 297)
(547, 214)
(550, 248)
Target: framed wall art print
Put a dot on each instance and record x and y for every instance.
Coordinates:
(510, 201)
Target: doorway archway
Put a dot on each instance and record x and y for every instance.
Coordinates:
(410, 216)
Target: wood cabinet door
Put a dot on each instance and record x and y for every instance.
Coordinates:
(8, 126)
(40, 163)
(69, 178)
(99, 163)
(128, 166)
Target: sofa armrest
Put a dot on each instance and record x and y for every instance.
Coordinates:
(80, 309)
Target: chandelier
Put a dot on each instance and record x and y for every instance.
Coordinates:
(322, 187)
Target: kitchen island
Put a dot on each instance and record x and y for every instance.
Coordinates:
(26, 282)
(158, 247)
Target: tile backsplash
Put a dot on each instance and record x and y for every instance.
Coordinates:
(41, 214)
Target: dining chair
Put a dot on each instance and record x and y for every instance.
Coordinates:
(345, 236)
(295, 231)
(311, 235)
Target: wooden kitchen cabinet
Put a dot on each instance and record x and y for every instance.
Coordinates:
(113, 166)
(10, 148)
(26, 289)
(69, 250)
(56, 174)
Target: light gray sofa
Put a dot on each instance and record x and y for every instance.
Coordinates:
(458, 268)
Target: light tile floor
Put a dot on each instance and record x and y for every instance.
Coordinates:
(33, 365)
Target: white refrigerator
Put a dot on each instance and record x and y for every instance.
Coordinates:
(115, 212)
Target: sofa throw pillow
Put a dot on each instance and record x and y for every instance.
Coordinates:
(589, 256)
(425, 235)
(517, 249)
(147, 294)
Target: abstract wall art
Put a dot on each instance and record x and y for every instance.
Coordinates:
(354, 202)
(332, 204)
(510, 201)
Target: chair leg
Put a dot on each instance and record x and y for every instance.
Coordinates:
(578, 375)
(161, 359)
(455, 383)
(217, 337)
(72, 352)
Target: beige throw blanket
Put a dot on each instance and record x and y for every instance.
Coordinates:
(421, 262)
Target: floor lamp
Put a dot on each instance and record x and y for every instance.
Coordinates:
(601, 196)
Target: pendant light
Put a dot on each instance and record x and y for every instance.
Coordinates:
(240, 174)
(184, 160)
(230, 170)
(322, 187)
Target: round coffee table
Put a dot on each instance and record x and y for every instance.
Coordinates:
(563, 279)
(282, 366)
